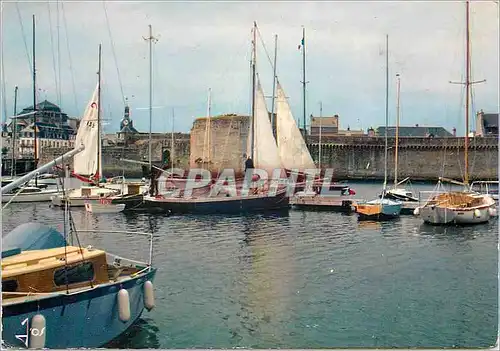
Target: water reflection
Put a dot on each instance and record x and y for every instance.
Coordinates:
(141, 335)
(269, 274)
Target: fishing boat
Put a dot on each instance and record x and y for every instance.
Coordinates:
(50, 285)
(460, 207)
(381, 208)
(262, 148)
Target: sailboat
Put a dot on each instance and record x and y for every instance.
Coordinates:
(57, 294)
(262, 148)
(460, 207)
(397, 192)
(33, 191)
(88, 164)
(381, 208)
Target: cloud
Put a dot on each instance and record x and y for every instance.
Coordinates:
(207, 44)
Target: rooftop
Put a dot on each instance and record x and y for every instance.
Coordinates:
(43, 106)
(414, 131)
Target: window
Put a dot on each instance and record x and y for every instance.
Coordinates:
(9, 285)
(82, 272)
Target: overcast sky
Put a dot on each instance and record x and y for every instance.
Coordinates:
(207, 45)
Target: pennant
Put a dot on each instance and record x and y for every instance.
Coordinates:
(301, 44)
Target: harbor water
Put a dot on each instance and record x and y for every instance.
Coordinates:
(301, 280)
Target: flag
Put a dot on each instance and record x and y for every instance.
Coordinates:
(301, 43)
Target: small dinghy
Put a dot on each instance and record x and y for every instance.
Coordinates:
(104, 206)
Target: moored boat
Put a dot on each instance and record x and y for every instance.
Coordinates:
(91, 295)
(29, 194)
(457, 208)
(378, 209)
(104, 207)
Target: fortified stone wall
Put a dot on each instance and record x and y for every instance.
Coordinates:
(418, 158)
(228, 136)
(111, 156)
(362, 157)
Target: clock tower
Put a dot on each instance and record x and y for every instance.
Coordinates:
(127, 129)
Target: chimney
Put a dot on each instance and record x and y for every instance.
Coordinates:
(454, 132)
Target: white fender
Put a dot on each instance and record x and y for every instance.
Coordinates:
(492, 211)
(149, 297)
(37, 332)
(123, 305)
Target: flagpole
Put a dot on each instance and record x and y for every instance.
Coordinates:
(304, 80)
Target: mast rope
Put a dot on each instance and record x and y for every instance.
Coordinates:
(113, 51)
(52, 49)
(69, 56)
(59, 97)
(265, 49)
(24, 38)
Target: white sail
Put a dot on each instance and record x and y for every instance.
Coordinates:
(86, 162)
(293, 150)
(265, 155)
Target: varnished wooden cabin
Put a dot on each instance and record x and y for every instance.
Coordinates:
(58, 269)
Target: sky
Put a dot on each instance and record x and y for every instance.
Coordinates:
(204, 45)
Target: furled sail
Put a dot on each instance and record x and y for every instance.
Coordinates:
(293, 150)
(86, 162)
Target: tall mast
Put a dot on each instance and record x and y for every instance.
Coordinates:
(467, 92)
(386, 104)
(273, 115)
(172, 147)
(14, 132)
(35, 145)
(150, 39)
(320, 131)
(254, 59)
(304, 81)
(99, 165)
(398, 88)
(468, 83)
(208, 130)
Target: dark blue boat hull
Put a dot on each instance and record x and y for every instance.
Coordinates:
(87, 319)
(280, 202)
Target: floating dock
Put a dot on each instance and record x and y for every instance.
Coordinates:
(339, 204)
(324, 203)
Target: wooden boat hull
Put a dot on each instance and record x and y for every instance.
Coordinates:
(42, 196)
(86, 319)
(220, 205)
(378, 212)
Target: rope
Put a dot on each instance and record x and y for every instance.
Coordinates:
(69, 56)
(59, 97)
(12, 198)
(53, 55)
(113, 50)
(4, 101)
(265, 50)
(24, 38)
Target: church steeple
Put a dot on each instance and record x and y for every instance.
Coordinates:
(126, 124)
